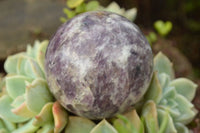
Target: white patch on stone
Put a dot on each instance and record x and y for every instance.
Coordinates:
(124, 54)
(83, 64)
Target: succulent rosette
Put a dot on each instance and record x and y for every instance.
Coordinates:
(27, 106)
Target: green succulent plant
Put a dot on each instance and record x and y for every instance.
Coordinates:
(80, 6)
(27, 106)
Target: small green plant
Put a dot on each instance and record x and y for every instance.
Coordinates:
(151, 37)
(80, 6)
(163, 28)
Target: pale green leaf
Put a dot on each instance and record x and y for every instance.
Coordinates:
(63, 20)
(103, 127)
(21, 64)
(74, 3)
(181, 128)
(185, 87)
(37, 95)
(163, 65)
(169, 93)
(23, 111)
(79, 125)
(129, 123)
(11, 63)
(186, 108)
(114, 7)
(60, 117)
(40, 56)
(18, 101)
(32, 69)
(163, 28)
(81, 8)
(131, 14)
(154, 91)
(166, 123)
(92, 5)
(32, 51)
(3, 130)
(5, 110)
(45, 116)
(27, 128)
(149, 113)
(164, 81)
(47, 128)
(135, 120)
(10, 126)
(15, 85)
(69, 13)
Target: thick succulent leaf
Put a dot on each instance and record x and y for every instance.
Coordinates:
(47, 128)
(103, 127)
(37, 95)
(181, 128)
(79, 125)
(40, 57)
(163, 65)
(165, 121)
(122, 125)
(60, 117)
(131, 14)
(129, 123)
(92, 5)
(186, 108)
(26, 128)
(23, 111)
(80, 9)
(172, 103)
(149, 113)
(154, 91)
(32, 51)
(32, 69)
(169, 93)
(18, 101)
(74, 3)
(164, 81)
(114, 7)
(174, 112)
(15, 85)
(5, 110)
(9, 126)
(11, 63)
(133, 117)
(185, 87)
(21, 64)
(3, 130)
(45, 116)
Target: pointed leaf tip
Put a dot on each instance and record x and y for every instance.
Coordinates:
(163, 65)
(60, 117)
(79, 125)
(104, 127)
(185, 87)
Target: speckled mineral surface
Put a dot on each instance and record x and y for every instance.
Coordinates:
(98, 64)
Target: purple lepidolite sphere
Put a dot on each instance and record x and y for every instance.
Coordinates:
(98, 64)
